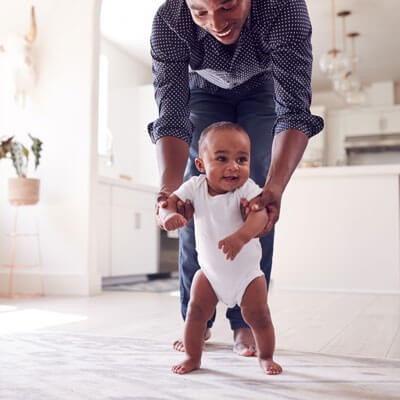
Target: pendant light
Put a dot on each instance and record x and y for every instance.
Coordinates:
(333, 62)
(355, 93)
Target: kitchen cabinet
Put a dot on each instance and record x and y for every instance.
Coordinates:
(315, 153)
(343, 245)
(103, 228)
(128, 236)
(371, 121)
(357, 122)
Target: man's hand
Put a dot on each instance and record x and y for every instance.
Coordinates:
(270, 199)
(185, 209)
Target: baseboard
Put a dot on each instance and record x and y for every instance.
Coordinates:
(331, 290)
(54, 285)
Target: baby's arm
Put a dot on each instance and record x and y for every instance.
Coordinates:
(251, 228)
(169, 218)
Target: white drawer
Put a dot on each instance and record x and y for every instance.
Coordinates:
(103, 194)
(125, 197)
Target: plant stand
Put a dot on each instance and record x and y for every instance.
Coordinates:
(14, 236)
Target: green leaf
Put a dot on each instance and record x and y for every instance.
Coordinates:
(5, 147)
(36, 149)
(17, 157)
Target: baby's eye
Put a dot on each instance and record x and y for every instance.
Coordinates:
(242, 160)
(221, 158)
(231, 5)
(200, 14)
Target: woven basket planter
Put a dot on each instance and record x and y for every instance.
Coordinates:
(23, 191)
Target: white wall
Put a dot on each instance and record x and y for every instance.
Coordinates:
(125, 70)
(61, 115)
(126, 73)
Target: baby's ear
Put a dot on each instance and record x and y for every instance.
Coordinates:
(199, 164)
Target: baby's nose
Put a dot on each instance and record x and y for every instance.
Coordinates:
(233, 166)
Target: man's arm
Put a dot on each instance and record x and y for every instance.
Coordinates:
(287, 149)
(172, 156)
(290, 42)
(172, 130)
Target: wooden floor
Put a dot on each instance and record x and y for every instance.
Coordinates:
(363, 325)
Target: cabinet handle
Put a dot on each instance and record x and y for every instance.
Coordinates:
(382, 123)
(137, 220)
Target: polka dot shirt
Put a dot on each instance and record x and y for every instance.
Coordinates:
(275, 43)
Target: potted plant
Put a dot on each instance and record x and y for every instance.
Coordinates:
(21, 190)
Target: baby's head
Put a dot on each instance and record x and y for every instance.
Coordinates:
(224, 156)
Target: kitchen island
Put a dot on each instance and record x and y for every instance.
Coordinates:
(339, 230)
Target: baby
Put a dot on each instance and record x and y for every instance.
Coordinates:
(228, 251)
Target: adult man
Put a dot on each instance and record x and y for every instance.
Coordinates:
(245, 61)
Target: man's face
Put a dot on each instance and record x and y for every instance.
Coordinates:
(222, 19)
(225, 159)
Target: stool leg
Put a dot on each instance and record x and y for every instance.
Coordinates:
(13, 243)
(39, 253)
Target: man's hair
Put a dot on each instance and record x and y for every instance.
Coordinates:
(215, 126)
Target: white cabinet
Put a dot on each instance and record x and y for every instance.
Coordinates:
(315, 153)
(357, 122)
(103, 228)
(390, 121)
(127, 234)
(372, 121)
(134, 233)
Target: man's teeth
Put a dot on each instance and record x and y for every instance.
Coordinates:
(225, 34)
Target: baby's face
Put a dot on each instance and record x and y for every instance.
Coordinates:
(225, 160)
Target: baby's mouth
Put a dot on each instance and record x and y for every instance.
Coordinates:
(230, 178)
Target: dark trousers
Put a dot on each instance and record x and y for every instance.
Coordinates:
(254, 111)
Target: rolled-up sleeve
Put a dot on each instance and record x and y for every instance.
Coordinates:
(291, 56)
(170, 58)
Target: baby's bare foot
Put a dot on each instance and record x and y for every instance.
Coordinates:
(270, 367)
(174, 221)
(179, 346)
(186, 366)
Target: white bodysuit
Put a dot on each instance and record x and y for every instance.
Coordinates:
(215, 218)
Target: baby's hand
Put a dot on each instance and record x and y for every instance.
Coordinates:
(231, 246)
(173, 221)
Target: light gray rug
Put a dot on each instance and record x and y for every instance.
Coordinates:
(158, 286)
(49, 365)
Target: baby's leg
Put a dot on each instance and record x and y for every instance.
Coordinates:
(256, 313)
(201, 308)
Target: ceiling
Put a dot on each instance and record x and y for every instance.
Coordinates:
(127, 23)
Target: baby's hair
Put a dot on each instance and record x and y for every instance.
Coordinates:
(216, 126)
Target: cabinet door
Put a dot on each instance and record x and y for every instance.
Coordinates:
(363, 123)
(134, 233)
(103, 229)
(390, 122)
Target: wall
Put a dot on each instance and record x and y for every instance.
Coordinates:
(61, 115)
(125, 74)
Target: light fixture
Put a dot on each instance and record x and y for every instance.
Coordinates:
(339, 80)
(333, 62)
(355, 93)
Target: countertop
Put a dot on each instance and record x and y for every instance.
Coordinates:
(127, 184)
(361, 170)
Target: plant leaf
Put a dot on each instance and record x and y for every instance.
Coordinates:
(17, 157)
(36, 149)
(5, 147)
